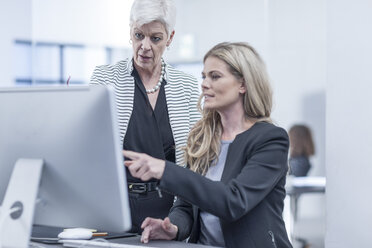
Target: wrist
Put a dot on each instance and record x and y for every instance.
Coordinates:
(161, 169)
(176, 232)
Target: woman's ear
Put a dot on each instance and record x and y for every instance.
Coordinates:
(242, 88)
(170, 38)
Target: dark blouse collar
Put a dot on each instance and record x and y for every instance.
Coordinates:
(130, 68)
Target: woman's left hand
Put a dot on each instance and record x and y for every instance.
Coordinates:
(158, 229)
(143, 166)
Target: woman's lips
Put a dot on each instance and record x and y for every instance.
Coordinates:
(206, 96)
(144, 58)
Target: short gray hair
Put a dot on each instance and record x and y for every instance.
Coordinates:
(146, 11)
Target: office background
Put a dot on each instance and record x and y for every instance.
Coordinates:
(318, 56)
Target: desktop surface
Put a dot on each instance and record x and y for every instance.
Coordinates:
(135, 241)
(46, 236)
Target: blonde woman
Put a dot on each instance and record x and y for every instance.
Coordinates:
(233, 195)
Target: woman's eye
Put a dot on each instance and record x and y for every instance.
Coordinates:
(215, 76)
(155, 39)
(138, 36)
(203, 76)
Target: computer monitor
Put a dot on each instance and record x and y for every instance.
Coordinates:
(74, 130)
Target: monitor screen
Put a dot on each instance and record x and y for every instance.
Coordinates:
(74, 130)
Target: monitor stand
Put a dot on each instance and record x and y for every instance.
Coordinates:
(17, 211)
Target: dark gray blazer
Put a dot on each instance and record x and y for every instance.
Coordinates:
(249, 198)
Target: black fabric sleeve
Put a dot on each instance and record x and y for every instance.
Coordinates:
(181, 215)
(265, 166)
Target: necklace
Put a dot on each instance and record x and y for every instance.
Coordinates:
(157, 86)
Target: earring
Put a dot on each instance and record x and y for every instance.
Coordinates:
(168, 48)
(130, 41)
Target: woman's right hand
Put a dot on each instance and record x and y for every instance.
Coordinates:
(158, 229)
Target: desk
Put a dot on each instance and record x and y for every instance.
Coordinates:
(39, 231)
(302, 185)
(136, 241)
(297, 186)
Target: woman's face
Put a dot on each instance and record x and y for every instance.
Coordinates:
(149, 42)
(221, 89)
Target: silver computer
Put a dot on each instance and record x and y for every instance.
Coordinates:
(72, 132)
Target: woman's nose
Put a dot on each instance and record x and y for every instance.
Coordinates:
(205, 84)
(146, 44)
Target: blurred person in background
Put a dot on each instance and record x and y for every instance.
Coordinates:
(300, 150)
(157, 104)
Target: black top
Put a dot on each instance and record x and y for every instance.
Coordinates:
(299, 166)
(149, 130)
(249, 199)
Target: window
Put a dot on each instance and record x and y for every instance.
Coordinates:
(54, 63)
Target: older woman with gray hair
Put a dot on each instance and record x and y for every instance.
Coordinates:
(157, 104)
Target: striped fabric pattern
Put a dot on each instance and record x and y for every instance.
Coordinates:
(181, 91)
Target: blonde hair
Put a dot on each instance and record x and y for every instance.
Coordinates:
(203, 144)
(301, 141)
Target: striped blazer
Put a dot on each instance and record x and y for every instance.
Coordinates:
(181, 91)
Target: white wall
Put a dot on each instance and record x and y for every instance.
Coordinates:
(15, 23)
(89, 22)
(349, 135)
(214, 21)
(296, 62)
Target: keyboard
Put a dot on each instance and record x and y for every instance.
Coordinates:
(96, 244)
